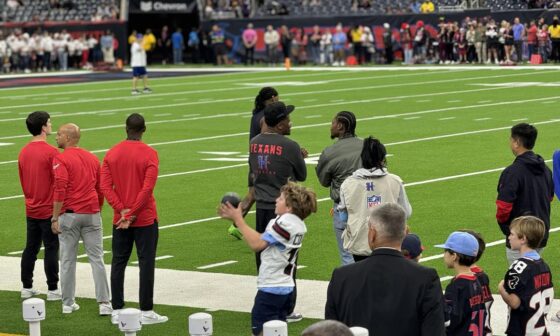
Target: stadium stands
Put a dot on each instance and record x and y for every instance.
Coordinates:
(377, 7)
(59, 10)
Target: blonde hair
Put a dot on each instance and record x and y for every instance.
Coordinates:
(530, 227)
(302, 200)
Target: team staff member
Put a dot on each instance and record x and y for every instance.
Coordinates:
(128, 178)
(76, 215)
(336, 163)
(138, 64)
(274, 160)
(36, 177)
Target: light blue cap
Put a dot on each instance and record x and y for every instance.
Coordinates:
(461, 242)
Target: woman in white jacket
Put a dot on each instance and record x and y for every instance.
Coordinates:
(366, 188)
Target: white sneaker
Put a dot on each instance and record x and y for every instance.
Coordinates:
(151, 317)
(54, 295)
(70, 309)
(135, 92)
(105, 309)
(294, 317)
(26, 293)
(115, 316)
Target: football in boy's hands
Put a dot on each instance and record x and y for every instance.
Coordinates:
(232, 198)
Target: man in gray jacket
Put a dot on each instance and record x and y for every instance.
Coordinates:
(336, 163)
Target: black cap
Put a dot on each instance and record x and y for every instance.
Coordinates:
(276, 112)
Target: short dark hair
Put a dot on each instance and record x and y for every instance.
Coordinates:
(135, 123)
(462, 259)
(481, 242)
(373, 154)
(348, 119)
(35, 122)
(526, 134)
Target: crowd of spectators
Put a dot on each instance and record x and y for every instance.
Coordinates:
(42, 51)
(222, 9)
(59, 10)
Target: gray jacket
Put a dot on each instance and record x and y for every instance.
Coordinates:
(337, 162)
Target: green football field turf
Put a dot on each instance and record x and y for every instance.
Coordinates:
(447, 132)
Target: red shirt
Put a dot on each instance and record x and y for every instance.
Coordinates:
(36, 177)
(128, 178)
(532, 35)
(76, 181)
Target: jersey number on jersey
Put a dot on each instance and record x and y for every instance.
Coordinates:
(541, 301)
(476, 327)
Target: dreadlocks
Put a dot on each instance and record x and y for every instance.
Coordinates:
(265, 94)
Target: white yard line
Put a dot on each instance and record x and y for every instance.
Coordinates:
(229, 262)
(448, 118)
(249, 98)
(156, 258)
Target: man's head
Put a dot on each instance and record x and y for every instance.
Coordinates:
(249, 26)
(135, 126)
(387, 226)
(68, 135)
(523, 138)
(265, 96)
(39, 122)
(344, 123)
(277, 117)
(327, 328)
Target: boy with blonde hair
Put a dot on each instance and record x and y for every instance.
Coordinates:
(279, 246)
(527, 286)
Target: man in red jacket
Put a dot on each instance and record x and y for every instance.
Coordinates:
(128, 177)
(36, 177)
(76, 215)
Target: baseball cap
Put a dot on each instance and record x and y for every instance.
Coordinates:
(461, 242)
(413, 245)
(276, 112)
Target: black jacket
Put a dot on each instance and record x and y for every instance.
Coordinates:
(387, 294)
(525, 188)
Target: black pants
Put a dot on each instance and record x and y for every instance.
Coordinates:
(39, 230)
(249, 55)
(263, 218)
(146, 239)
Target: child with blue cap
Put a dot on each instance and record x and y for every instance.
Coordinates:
(465, 312)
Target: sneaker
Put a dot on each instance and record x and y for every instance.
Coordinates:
(105, 309)
(234, 231)
(556, 317)
(147, 90)
(70, 309)
(135, 92)
(151, 317)
(294, 317)
(26, 293)
(115, 316)
(54, 295)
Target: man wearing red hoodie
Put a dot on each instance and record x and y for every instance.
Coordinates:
(128, 178)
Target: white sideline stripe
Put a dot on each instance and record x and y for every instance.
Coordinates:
(10, 197)
(300, 266)
(482, 119)
(81, 256)
(5, 144)
(313, 116)
(248, 98)
(156, 258)
(189, 83)
(229, 262)
(448, 118)
(494, 243)
(445, 278)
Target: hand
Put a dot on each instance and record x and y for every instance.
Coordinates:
(123, 224)
(304, 152)
(228, 211)
(55, 227)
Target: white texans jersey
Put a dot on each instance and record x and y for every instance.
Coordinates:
(278, 259)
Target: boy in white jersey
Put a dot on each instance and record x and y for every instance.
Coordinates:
(279, 244)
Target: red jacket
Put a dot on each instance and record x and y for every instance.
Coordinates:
(76, 181)
(36, 176)
(128, 178)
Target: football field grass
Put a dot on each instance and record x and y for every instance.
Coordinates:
(447, 133)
